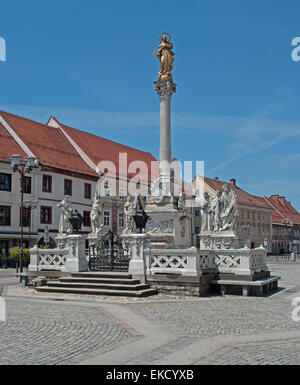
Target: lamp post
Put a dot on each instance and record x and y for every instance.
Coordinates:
(286, 223)
(30, 205)
(22, 169)
(246, 227)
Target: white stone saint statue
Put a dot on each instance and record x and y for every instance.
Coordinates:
(216, 211)
(206, 212)
(96, 216)
(229, 209)
(130, 209)
(64, 225)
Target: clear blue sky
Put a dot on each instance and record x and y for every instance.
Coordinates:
(237, 103)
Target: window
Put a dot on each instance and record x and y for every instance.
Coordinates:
(68, 187)
(106, 218)
(27, 185)
(197, 213)
(121, 219)
(26, 216)
(5, 215)
(46, 215)
(107, 191)
(122, 194)
(87, 190)
(197, 192)
(5, 182)
(197, 230)
(86, 219)
(47, 183)
(242, 213)
(253, 215)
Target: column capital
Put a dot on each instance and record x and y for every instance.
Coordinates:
(165, 89)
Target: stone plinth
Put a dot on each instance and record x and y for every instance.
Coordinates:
(136, 245)
(76, 260)
(218, 240)
(61, 240)
(168, 228)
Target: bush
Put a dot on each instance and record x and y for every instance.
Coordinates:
(15, 252)
(44, 247)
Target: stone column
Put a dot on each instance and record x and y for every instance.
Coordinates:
(137, 264)
(165, 89)
(76, 260)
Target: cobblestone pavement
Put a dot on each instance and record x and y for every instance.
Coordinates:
(266, 353)
(45, 333)
(231, 329)
(232, 315)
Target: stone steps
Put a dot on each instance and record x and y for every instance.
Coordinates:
(99, 283)
(113, 292)
(118, 286)
(100, 280)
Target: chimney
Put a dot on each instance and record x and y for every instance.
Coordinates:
(233, 182)
(275, 198)
(282, 200)
(217, 178)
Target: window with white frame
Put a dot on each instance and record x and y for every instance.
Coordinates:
(122, 194)
(107, 191)
(106, 218)
(121, 219)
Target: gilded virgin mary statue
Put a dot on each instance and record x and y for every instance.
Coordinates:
(165, 56)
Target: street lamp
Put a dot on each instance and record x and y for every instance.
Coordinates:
(30, 205)
(286, 222)
(22, 169)
(247, 227)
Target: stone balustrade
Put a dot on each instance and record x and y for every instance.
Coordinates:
(187, 262)
(48, 259)
(240, 261)
(70, 258)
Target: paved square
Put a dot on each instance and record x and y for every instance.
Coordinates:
(155, 330)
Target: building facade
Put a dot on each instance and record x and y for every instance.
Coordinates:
(68, 165)
(286, 225)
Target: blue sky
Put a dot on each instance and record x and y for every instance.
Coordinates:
(90, 64)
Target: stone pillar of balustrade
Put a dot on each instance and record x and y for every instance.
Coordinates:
(137, 243)
(76, 259)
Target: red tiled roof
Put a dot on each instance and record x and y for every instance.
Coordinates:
(48, 144)
(282, 209)
(242, 196)
(8, 146)
(100, 149)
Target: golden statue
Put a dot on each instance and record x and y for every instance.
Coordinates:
(165, 56)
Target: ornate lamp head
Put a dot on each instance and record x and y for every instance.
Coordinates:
(30, 162)
(15, 161)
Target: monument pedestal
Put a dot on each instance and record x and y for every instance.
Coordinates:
(76, 260)
(136, 244)
(218, 240)
(168, 228)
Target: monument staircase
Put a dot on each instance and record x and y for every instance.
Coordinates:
(98, 283)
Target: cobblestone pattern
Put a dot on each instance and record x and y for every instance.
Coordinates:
(45, 333)
(266, 353)
(229, 315)
(162, 352)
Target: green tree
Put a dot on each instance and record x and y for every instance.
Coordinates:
(15, 253)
